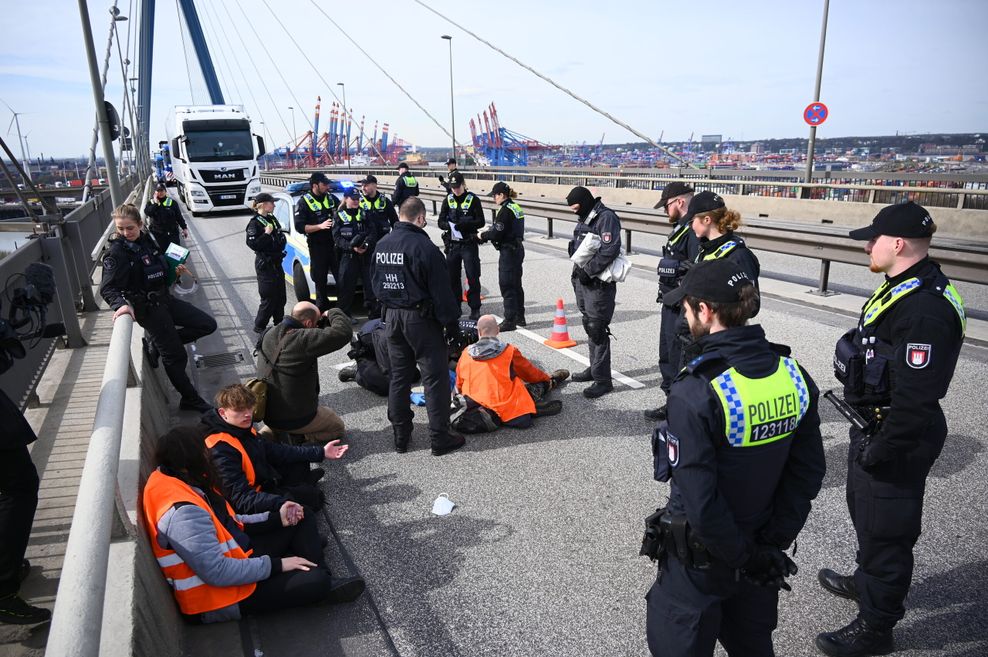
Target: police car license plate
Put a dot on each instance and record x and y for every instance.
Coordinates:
(227, 197)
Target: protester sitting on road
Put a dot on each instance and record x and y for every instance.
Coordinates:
(289, 361)
(260, 475)
(205, 550)
(500, 385)
(369, 350)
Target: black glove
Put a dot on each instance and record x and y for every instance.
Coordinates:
(873, 452)
(442, 181)
(769, 566)
(358, 241)
(582, 274)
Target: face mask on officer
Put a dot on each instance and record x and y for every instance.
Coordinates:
(581, 201)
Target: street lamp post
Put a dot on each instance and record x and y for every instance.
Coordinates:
(294, 137)
(452, 111)
(346, 118)
(816, 93)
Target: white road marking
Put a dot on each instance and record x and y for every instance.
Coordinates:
(580, 358)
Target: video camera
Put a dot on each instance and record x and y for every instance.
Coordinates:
(25, 318)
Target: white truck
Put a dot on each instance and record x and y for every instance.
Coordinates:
(214, 156)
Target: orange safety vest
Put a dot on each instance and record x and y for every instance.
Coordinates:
(193, 595)
(245, 461)
(493, 384)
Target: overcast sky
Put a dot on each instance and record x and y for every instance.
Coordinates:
(741, 69)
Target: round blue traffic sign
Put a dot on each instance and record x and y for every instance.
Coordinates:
(815, 113)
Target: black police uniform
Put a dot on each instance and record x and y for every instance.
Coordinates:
(312, 210)
(679, 251)
(466, 214)
(594, 297)
(445, 181)
(136, 274)
(352, 229)
(269, 250)
(508, 235)
(411, 282)
(164, 221)
(379, 211)
(896, 366)
(745, 458)
(18, 494)
(369, 349)
(405, 186)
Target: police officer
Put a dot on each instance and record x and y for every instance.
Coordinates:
(411, 282)
(508, 235)
(895, 366)
(135, 283)
(165, 218)
(266, 239)
(677, 255)
(377, 208)
(460, 217)
(594, 297)
(355, 237)
(405, 186)
(450, 169)
(744, 454)
(314, 219)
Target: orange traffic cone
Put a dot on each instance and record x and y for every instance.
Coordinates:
(466, 287)
(560, 332)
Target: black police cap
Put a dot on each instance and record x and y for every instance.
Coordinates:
(716, 281)
(455, 179)
(402, 165)
(900, 220)
(369, 178)
(671, 191)
(160, 187)
(500, 187)
(705, 201)
(451, 161)
(263, 197)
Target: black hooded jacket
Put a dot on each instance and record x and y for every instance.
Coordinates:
(265, 456)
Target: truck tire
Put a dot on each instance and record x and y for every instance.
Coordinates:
(299, 283)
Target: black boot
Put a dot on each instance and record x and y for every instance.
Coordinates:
(547, 408)
(196, 403)
(582, 376)
(840, 585)
(15, 611)
(345, 590)
(453, 442)
(598, 389)
(151, 352)
(348, 374)
(402, 436)
(507, 325)
(859, 639)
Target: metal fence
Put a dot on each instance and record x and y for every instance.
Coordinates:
(961, 191)
(67, 247)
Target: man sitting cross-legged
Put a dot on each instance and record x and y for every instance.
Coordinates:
(500, 385)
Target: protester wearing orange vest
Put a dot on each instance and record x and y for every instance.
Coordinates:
(260, 475)
(204, 549)
(500, 385)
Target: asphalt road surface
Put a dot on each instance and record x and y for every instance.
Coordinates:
(540, 556)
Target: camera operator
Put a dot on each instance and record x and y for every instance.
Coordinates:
(19, 480)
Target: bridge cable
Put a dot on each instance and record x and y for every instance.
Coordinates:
(240, 69)
(250, 57)
(185, 50)
(231, 83)
(559, 86)
(318, 73)
(386, 74)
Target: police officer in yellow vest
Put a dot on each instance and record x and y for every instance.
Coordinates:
(165, 218)
(460, 218)
(405, 186)
(895, 366)
(376, 207)
(508, 237)
(744, 455)
(355, 236)
(314, 218)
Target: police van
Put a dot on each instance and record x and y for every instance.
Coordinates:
(296, 264)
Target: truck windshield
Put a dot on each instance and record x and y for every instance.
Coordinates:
(219, 145)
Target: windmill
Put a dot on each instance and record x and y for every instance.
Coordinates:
(16, 121)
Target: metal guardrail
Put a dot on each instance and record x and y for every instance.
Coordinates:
(78, 616)
(961, 260)
(960, 191)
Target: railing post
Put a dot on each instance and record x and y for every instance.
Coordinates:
(78, 616)
(64, 290)
(548, 231)
(824, 281)
(627, 241)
